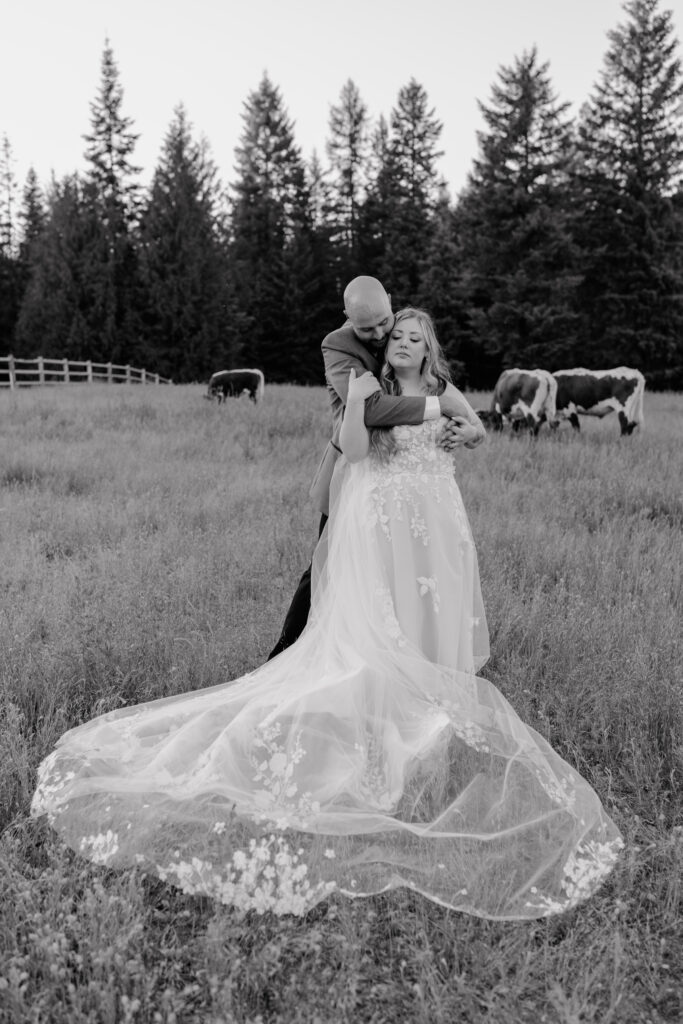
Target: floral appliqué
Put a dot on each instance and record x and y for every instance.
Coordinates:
(388, 612)
(266, 876)
(416, 468)
(584, 870)
(280, 795)
(429, 585)
(373, 783)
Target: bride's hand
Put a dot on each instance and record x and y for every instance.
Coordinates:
(361, 387)
(454, 433)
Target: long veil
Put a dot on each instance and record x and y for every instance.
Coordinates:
(350, 762)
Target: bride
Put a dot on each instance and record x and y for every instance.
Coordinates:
(369, 754)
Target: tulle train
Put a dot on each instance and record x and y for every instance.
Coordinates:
(368, 755)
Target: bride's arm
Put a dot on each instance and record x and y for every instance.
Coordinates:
(354, 439)
(464, 427)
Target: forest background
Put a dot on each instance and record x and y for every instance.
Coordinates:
(565, 247)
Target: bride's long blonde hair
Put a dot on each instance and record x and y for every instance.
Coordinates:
(434, 375)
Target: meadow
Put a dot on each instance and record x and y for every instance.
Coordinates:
(150, 542)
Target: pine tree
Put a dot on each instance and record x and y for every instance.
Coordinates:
(32, 214)
(111, 143)
(53, 319)
(629, 223)
(10, 277)
(8, 201)
(329, 280)
(112, 195)
(517, 257)
(273, 267)
(348, 150)
(320, 192)
(186, 325)
(440, 282)
(407, 189)
(374, 209)
(32, 218)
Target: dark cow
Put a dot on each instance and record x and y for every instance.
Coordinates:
(235, 383)
(523, 398)
(600, 392)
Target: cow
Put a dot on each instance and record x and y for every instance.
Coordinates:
(600, 392)
(523, 398)
(236, 382)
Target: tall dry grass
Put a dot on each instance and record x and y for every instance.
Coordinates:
(149, 544)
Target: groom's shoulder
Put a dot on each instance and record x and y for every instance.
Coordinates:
(342, 340)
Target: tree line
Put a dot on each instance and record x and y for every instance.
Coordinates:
(564, 248)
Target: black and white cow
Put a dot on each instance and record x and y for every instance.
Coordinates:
(600, 392)
(235, 383)
(522, 398)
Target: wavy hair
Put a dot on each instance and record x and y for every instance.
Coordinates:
(434, 373)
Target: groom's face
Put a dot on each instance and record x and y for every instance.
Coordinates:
(374, 325)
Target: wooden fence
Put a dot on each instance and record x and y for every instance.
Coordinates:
(19, 373)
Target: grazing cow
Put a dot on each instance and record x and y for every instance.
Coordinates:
(600, 392)
(236, 382)
(523, 398)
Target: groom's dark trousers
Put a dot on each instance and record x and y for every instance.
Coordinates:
(297, 615)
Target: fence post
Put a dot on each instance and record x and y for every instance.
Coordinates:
(156, 378)
(110, 374)
(12, 374)
(128, 377)
(143, 376)
(88, 367)
(65, 364)
(41, 370)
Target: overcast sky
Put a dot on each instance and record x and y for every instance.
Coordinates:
(209, 54)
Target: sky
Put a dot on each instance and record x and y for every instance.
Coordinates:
(210, 54)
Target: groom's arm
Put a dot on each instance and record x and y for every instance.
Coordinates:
(380, 410)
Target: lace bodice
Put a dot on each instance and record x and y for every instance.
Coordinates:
(418, 474)
(417, 452)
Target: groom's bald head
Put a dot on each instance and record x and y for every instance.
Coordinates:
(368, 307)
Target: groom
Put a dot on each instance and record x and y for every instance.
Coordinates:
(359, 345)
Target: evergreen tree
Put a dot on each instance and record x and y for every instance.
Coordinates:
(407, 189)
(320, 192)
(348, 150)
(629, 224)
(186, 326)
(273, 267)
(10, 277)
(374, 210)
(111, 143)
(440, 283)
(517, 257)
(53, 318)
(32, 217)
(32, 214)
(112, 196)
(328, 281)
(8, 201)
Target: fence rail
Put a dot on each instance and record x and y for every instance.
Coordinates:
(19, 373)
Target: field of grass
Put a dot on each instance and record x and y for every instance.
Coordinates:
(149, 544)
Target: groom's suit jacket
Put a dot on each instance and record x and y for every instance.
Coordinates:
(342, 350)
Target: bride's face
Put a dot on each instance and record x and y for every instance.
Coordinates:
(406, 347)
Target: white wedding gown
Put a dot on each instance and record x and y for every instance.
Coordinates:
(366, 756)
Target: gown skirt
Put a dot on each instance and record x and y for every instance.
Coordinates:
(368, 755)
